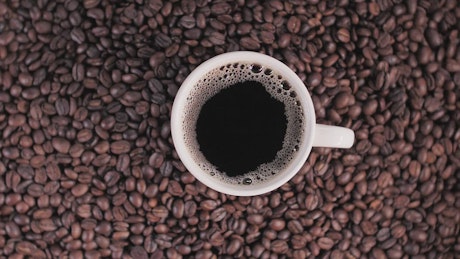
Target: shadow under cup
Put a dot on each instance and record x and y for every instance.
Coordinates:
(226, 70)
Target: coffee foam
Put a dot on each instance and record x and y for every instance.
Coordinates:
(230, 74)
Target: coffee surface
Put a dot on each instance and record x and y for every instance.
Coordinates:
(233, 96)
(241, 127)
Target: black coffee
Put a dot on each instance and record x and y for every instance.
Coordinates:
(241, 127)
(243, 123)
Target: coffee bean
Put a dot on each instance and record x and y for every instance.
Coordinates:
(138, 252)
(277, 224)
(249, 43)
(35, 190)
(61, 145)
(314, 80)
(255, 219)
(62, 106)
(12, 230)
(370, 107)
(367, 244)
(120, 147)
(341, 100)
(187, 22)
(88, 4)
(325, 243)
(84, 211)
(413, 216)
(218, 215)
(46, 225)
(42, 214)
(343, 35)
(279, 247)
(26, 248)
(157, 59)
(119, 199)
(293, 24)
(162, 40)
(43, 27)
(233, 246)
(418, 235)
(433, 37)
(79, 190)
(368, 228)
(25, 79)
(398, 231)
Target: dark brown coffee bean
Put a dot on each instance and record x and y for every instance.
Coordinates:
(12, 230)
(343, 35)
(157, 59)
(162, 40)
(413, 216)
(119, 199)
(314, 80)
(120, 147)
(367, 244)
(42, 214)
(78, 35)
(26, 248)
(88, 4)
(249, 43)
(218, 214)
(341, 100)
(61, 145)
(433, 37)
(187, 21)
(47, 225)
(217, 38)
(368, 228)
(398, 231)
(325, 243)
(6, 38)
(233, 246)
(62, 106)
(84, 211)
(418, 235)
(43, 27)
(220, 8)
(35, 190)
(311, 202)
(25, 79)
(279, 247)
(453, 66)
(79, 190)
(208, 205)
(139, 252)
(294, 24)
(370, 107)
(10, 152)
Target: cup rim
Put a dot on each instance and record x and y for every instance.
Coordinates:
(304, 147)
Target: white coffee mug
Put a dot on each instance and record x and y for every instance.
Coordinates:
(316, 135)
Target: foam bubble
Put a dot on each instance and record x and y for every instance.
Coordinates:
(230, 74)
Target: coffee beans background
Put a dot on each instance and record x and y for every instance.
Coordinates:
(87, 165)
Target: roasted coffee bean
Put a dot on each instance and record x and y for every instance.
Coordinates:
(343, 35)
(325, 243)
(120, 147)
(294, 24)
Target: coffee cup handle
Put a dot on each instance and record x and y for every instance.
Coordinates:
(333, 136)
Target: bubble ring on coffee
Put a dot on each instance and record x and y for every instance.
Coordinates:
(230, 74)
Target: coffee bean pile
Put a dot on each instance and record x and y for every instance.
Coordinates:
(87, 164)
